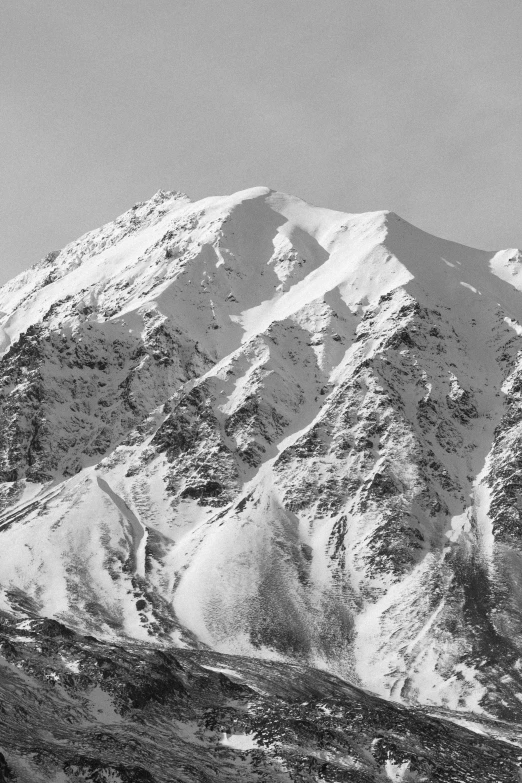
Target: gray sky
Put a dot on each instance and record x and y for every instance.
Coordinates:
(410, 105)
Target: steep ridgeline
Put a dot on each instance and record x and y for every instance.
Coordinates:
(274, 430)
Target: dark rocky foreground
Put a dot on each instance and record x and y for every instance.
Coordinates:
(73, 708)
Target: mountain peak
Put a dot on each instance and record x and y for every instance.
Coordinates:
(167, 195)
(275, 430)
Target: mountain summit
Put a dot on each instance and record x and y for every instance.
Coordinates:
(259, 427)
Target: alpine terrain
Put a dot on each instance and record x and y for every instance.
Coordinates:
(261, 501)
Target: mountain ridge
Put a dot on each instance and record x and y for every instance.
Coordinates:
(271, 429)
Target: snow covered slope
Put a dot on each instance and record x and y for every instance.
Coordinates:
(276, 430)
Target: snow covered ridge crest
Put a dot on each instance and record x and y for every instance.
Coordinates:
(277, 430)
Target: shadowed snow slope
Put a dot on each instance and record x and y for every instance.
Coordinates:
(274, 430)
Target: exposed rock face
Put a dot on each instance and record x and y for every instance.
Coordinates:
(272, 430)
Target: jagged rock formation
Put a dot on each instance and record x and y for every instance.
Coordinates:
(273, 430)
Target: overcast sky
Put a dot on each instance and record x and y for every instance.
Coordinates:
(409, 105)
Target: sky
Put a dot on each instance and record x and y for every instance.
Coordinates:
(356, 105)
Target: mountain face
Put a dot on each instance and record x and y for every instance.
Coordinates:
(254, 426)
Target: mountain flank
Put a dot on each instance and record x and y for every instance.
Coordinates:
(247, 426)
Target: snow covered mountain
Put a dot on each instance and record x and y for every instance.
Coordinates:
(274, 430)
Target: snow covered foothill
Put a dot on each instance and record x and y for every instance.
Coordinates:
(275, 430)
